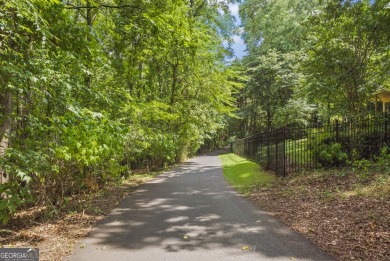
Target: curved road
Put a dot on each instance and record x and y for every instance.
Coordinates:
(191, 213)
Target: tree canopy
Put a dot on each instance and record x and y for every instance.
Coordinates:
(91, 89)
(305, 58)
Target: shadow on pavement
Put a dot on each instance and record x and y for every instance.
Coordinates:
(191, 209)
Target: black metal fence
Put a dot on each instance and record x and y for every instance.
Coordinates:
(296, 148)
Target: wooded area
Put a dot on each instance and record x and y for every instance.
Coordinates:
(91, 89)
(311, 61)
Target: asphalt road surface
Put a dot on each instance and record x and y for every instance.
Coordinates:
(191, 213)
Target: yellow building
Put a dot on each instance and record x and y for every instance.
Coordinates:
(381, 101)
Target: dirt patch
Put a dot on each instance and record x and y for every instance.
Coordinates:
(332, 210)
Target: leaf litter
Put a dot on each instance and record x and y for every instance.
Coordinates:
(354, 227)
(57, 233)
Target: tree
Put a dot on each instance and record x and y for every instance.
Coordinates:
(271, 85)
(338, 52)
(91, 89)
(275, 24)
(347, 40)
(274, 34)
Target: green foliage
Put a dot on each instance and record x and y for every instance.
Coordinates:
(383, 159)
(379, 162)
(20, 166)
(275, 24)
(354, 145)
(296, 111)
(327, 58)
(362, 164)
(331, 154)
(272, 83)
(13, 195)
(351, 32)
(90, 90)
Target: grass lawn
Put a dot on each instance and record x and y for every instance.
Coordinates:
(244, 175)
(297, 151)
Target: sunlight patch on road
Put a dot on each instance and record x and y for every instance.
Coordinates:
(209, 217)
(176, 219)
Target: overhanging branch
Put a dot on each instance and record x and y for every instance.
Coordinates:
(71, 6)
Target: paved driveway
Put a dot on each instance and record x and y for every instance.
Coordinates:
(191, 213)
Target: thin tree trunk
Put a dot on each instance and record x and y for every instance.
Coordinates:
(269, 118)
(87, 77)
(174, 82)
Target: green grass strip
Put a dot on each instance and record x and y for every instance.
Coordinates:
(243, 175)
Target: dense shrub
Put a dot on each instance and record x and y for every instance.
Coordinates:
(332, 151)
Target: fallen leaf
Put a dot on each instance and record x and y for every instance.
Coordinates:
(82, 245)
(185, 237)
(245, 248)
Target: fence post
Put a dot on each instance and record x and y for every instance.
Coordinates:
(276, 152)
(246, 148)
(386, 122)
(268, 153)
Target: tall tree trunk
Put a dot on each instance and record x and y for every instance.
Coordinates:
(5, 128)
(268, 112)
(174, 82)
(6, 104)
